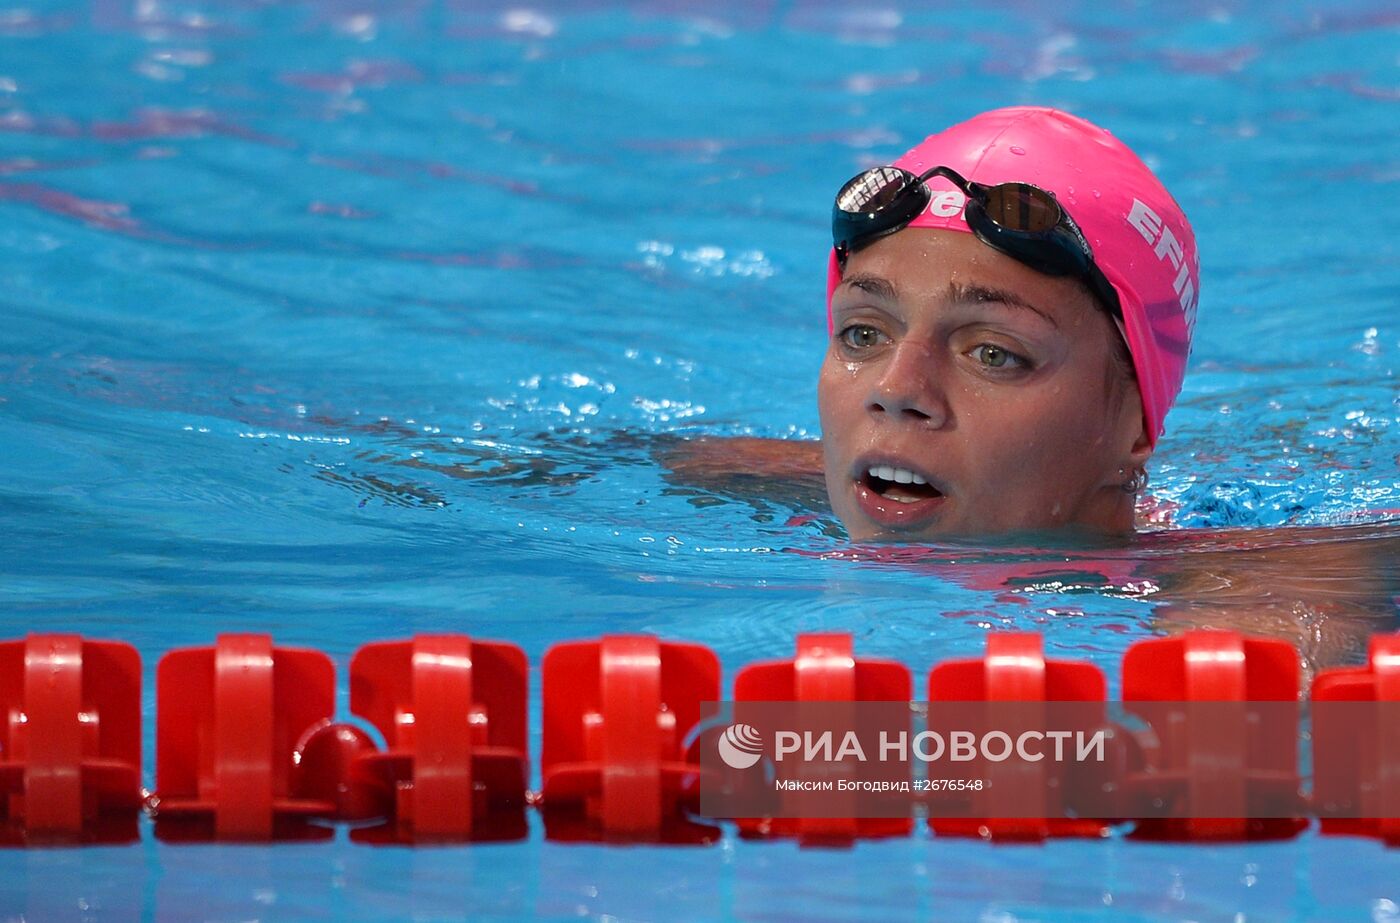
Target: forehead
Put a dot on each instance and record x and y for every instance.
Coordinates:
(924, 263)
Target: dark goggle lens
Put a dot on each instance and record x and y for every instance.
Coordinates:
(873, 190)
(1022, 207)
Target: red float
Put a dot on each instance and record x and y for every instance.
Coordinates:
(825, 669)
(614, 762)
(453, 714)
(1220, 749)
(1356, 751)
(231, 724)
(1015, 669)
(70, 744)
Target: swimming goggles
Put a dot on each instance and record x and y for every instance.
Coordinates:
(1021, 220)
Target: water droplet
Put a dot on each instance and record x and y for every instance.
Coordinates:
(1017, 150)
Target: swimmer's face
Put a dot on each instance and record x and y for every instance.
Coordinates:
(996, 386)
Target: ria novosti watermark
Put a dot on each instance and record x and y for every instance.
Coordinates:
(742, 746)
(1033, 759)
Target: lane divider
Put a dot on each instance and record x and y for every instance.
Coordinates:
(248, 748)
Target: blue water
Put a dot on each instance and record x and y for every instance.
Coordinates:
(343, 321)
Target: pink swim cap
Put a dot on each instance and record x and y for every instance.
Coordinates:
(1140, 236)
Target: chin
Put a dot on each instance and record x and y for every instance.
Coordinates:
(865, 532)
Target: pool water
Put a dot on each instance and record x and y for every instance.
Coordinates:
(347, 320)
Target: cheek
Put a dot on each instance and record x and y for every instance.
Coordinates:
(1071, 432)
(835, 387)
(840, 409)
(1055, 430)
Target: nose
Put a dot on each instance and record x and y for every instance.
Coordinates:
(910, 387)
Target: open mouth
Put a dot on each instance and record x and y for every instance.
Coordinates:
(898, 484)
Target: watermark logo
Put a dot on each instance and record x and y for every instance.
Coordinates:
(740, 746)
(1016, 760)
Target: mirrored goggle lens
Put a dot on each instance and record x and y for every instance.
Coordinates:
(873, 190)
(1021, 207)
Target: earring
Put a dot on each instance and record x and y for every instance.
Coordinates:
(1134, 482)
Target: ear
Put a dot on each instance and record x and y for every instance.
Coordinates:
(1142, 447)
(1131, 432)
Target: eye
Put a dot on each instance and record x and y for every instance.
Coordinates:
(992, 356)
(860, 336)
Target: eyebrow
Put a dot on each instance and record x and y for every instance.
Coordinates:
(878, 286)
(882, 288)
(982, 294)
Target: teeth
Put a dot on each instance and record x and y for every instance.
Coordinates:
(897, 475)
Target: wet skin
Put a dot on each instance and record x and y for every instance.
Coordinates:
(995, 384)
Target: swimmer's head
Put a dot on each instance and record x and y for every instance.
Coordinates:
(1138, 235)
(992, 366)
